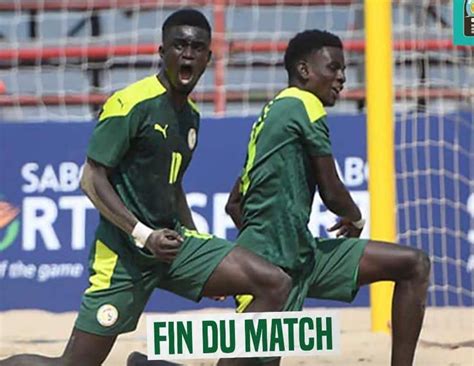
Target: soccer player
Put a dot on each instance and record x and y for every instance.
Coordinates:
(289, 157)
(146, 238)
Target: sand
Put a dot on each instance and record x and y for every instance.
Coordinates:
(35, 331)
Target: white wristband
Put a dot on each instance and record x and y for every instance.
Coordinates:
(141, 233)
(359, 224)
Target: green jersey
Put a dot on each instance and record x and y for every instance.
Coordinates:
(149, 145)
(277, 183)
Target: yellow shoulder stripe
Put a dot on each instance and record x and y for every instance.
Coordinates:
(193, 105)
(312, 104)
(122, 101)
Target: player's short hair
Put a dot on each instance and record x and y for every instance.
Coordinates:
(306, 42)
(186, 16)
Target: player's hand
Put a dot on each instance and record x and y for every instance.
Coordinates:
(164, 244)
(344, 227)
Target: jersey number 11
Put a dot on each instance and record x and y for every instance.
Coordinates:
(176, 159)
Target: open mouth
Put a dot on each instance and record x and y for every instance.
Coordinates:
(185, 74)
(336, 92)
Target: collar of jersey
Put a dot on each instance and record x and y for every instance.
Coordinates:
(162, 89)
(312, 104)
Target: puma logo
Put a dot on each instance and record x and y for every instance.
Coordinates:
(161, 129)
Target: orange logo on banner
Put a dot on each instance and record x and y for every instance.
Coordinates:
(7, 213)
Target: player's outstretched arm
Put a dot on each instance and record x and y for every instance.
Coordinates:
(232, 207)
(335, 196)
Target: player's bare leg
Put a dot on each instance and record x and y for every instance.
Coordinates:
(243, 272)
(82, 349)
(28, 360)
(410, 269)
(268, 284)
(250, 362)
(139, 359)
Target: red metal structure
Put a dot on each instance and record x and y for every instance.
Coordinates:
(222, 49)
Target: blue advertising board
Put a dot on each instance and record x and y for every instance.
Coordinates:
(47, 224)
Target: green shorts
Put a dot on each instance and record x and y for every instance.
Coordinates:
(122, 277)
(330, 274)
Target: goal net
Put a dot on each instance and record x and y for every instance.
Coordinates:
(435, 147)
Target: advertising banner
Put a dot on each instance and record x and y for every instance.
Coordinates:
(47, 224)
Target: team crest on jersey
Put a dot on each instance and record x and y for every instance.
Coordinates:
(107, 315)
(192, 138)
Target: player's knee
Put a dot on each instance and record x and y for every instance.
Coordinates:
(278, 288)
(283, 283)
(420, 265)
(424, 264)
